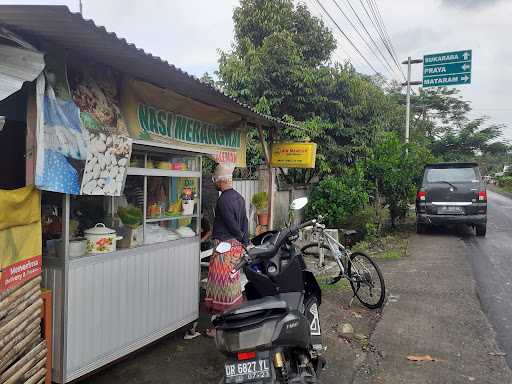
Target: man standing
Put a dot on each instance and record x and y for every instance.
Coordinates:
(223, 290)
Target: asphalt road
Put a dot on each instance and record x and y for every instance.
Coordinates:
(491, 260)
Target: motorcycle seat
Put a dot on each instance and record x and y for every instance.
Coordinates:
(267, 303)
(251, 312)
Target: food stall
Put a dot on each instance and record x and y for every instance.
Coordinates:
(120, 136)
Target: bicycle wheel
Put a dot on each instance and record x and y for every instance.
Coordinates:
(366, 280)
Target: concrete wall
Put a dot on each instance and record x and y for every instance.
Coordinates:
(283, 200)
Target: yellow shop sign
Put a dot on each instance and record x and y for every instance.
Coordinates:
(293, 155)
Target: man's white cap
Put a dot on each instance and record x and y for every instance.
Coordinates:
(224, 171)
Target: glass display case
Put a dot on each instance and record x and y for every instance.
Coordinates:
(166, 187)
(160, 202)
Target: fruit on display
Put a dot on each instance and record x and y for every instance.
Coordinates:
(174, 208)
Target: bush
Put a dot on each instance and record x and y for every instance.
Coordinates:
(339, 198)
(365, 221)
(396, 174)
(505, 182)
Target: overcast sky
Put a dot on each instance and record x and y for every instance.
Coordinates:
(188, 34)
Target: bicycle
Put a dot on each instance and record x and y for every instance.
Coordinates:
(358, 268)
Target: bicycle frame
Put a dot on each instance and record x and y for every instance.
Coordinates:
(341, 254)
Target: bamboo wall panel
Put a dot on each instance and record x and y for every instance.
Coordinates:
(53, 280)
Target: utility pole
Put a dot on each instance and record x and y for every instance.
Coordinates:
(408, 98)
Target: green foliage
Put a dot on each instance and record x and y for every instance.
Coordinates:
(365, 221)
(130, 216)
(505, 182)
(396, 174)
(280, 65)
(260, 200)
(439, 121)
(470, 137)
(339, 198)
(208, 165)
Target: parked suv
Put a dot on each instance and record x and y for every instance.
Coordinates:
(452, 193)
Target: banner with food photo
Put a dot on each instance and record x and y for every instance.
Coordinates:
(163, 116)
(20, 236)
(61, 140)
(95, 90)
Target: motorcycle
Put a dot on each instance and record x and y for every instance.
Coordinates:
(275, 336)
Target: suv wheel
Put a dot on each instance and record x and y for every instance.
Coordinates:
(481, 229)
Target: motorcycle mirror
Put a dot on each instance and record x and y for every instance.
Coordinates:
(299, 203)
(223, 247)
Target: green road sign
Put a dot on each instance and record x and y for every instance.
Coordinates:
(449, 68)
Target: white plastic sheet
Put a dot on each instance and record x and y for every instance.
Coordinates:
(17, 65)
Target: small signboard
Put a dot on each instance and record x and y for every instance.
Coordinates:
(293, 155)
(449, 68)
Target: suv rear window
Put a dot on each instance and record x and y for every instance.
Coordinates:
(457, 175)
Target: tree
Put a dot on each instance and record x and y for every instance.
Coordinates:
(439, 120)
(396, 173)
(280, 64)
(494, 157)
(467, 141)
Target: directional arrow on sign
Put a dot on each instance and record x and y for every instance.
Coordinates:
(447, 68)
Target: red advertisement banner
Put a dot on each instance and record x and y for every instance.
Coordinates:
(20, 272)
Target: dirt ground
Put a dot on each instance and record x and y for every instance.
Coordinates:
(174, 360)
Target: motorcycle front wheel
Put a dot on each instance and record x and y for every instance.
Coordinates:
(366, 280)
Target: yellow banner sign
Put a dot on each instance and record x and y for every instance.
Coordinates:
(160, 115)
(20, 236)
(293, 155)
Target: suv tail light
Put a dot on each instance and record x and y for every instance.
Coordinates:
(422, 195)
(482, 196)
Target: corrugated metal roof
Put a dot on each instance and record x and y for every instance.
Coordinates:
(58, 25)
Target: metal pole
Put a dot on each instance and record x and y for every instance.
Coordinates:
(408, 113)
(81, 7)
(408, 102)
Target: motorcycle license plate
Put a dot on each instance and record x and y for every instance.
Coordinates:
(247, 371)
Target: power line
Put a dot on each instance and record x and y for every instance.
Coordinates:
(370, 35)
(385, 62)
(380, 22)
(348, 56)
(377, 25)
(380, 35)
(385, 29)
(382, 25)
(383, 35)
(346, 37)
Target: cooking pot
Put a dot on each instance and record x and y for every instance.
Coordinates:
(101, 239)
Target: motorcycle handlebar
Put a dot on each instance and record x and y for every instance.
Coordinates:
(246, 259)
(243, 261)
(303, 225)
